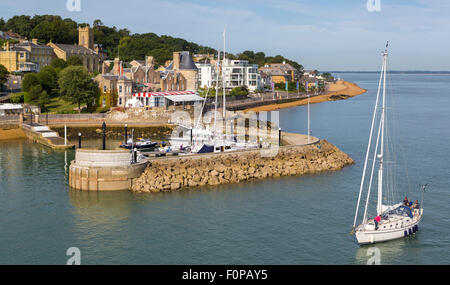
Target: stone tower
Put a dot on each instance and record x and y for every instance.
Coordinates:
(86, 37)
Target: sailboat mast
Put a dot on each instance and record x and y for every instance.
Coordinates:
(217, 91)
(223, 72)
(383, 114)
(369, 145)
(224, 87)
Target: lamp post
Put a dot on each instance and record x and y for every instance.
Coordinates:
(104, 136)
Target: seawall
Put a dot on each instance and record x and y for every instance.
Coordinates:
(176, 173)
(11, 134)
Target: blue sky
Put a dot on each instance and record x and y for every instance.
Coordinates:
(320, 34)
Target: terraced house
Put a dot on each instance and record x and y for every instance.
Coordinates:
(26, 56)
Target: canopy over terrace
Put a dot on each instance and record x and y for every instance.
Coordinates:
(164, 99)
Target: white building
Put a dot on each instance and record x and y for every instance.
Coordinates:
(241, 73)
(207, 75)
(236, 72)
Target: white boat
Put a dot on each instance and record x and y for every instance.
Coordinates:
(201, 138)
(391, 221)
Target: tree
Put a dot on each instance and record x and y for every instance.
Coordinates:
(59, 64)
(17, 98)
(327, 76)
(2, 24)
(30, 80)
(239, 91)
(3, 75)
(43, 100)
(32, 96)
(77, 86)
(48, 78)
(20, 24)
(74, 60)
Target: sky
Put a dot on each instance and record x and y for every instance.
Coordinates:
(319, 34)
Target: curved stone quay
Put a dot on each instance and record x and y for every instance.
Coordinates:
(103, 170)
(175, 173)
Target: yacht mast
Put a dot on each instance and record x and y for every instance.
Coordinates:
(224, 87)
(223, 71)
(217, 92)
(369, 144)
(381, 156)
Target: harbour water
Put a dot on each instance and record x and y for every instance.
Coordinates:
(295, 220)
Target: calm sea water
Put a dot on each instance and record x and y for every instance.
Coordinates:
(295, 220)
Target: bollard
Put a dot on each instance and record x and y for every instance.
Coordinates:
(135, 155)
(279, 137)
(79, 140)
(192, 137)
(104, 136)
(126, 134)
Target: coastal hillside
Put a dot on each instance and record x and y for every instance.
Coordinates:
(51, 28)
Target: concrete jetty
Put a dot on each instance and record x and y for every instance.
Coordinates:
(42, 134)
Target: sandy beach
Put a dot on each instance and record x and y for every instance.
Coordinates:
(338, 91)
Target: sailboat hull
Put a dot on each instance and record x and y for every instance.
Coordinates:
(365, 236)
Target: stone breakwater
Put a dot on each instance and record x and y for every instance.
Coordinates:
(214, 169)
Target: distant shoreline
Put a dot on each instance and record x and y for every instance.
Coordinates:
(417, 72)
(338, 91)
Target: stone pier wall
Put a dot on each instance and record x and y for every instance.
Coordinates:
(214, 169)
(103, 170)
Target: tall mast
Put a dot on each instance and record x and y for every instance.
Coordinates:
(383, 114)
(217, 91)
(224, 87)
(223, 71)
(375, 111)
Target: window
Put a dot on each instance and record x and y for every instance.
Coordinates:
(120, 101)
(103, 102)
(120, 89)
(104, 89)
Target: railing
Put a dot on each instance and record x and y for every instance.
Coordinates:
(9, 120)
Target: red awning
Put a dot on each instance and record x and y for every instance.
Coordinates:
(159, 94)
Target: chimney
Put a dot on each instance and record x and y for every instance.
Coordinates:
(7, 46)
(116, 66)
(176, 60)
(149, 61)
(34, 41)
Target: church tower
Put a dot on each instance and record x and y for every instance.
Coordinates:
(86, 37)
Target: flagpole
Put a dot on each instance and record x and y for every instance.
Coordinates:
(309, 123)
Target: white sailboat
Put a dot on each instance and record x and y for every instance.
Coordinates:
(203, 139)
(391, 221)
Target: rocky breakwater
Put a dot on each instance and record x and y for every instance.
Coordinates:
(214, 169)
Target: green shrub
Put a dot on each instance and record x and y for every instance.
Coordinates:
(17, 98)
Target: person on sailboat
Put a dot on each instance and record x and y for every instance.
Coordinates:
(377, 221)
(406, 201)
(416, 207)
